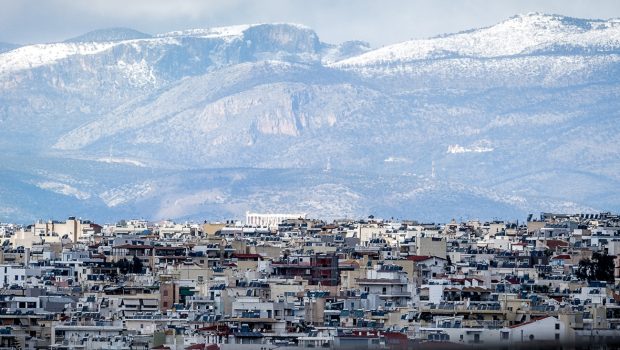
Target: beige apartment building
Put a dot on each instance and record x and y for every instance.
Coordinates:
(72, 227)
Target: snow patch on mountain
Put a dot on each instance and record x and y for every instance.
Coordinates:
(126, 193)
(454, 149)
(113, 160)
(392, 159)
(64, 189)
(32, 56)
(138, 74)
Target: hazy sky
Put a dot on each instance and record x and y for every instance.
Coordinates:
(378, 22)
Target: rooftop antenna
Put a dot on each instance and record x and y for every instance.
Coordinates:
(433, 169)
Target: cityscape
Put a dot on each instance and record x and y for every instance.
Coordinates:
(325, 174)
(287, 281)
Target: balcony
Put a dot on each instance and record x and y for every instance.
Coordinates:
(395, 295)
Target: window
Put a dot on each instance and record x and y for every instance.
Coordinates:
(505, 335)
(531, 336)
(557, 336)
(557, 326)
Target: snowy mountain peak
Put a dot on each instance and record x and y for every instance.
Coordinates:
(521, 34)
(199, 47)
(545, 22)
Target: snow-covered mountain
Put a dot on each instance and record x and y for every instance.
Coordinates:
(533, 33)
(500, 121)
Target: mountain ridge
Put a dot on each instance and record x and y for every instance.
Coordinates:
(476, 42)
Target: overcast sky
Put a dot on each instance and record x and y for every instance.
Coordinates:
(378, 22)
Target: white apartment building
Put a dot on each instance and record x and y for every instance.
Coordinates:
(269, 220)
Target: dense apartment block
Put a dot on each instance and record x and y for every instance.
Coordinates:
(298, 282)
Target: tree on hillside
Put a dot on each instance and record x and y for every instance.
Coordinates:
(125, 266)
(136, 265)
(599, 268)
